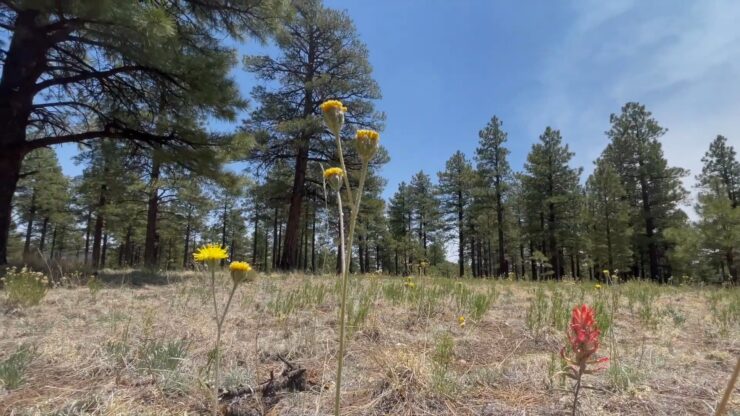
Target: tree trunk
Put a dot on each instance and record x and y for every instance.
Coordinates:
(460, 234)
(503, 266)
(29, 227)
(53, 242)
(313, 237)
(42, 240)
(104, 250)
(291, 244)
(88, 222)
(151, 242)
(223, 230)
(186, 248)
(649, 225)
(98, 232)
(275, 239)
(25, 61)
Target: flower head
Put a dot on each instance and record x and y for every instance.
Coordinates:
(461, 321)
(605, 272)
(367, 143)
(210, 254)
(240, 271)
(334, 177)
(597, 286)
(583, 337)
(333, 115)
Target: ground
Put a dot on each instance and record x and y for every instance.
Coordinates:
(139, 344)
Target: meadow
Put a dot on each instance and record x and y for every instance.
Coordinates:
(136, 343)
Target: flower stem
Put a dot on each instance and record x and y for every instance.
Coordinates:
(217, 362)
(342, 309)
(577, 390)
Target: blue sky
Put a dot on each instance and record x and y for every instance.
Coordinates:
(445, 67)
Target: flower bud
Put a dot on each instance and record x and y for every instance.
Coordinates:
(367, 144)
(334, 177)
(333, 115)
(241, 272)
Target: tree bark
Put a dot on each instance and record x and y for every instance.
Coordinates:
(151, 242)
(98, 231)
(42, 239)
(289, 259)
(29, 227)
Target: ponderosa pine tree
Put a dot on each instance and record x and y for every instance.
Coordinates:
(425, 208)
(550, 185)
(719, 223)
(42, 194)
(321, 58)
(653, 188)
(493, 166)
(607, 216)
(80, 70)
(455, 185)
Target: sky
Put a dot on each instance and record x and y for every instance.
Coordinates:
(445, 67)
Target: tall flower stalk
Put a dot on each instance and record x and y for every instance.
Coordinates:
(583, 343)
(366, 142)
(241, 272)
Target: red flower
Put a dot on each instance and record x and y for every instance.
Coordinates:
(583, 336)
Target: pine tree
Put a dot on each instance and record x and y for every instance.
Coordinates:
(550, 185)
(321, 58)
(719, 223)
(455, 184)
(79, 71)
(608, 219)
(653, 188)
(426, 215)
(492, 163)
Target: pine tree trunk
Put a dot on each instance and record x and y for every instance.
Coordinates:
(88, 224)
(42, 239)
(24, 62)
(104, 250)
(503, 266)
(186, 247)
(151, 242)
(313, 237)
(460, 234)
(29, 227)
(289, 258)
(53, 242)
(98, 232)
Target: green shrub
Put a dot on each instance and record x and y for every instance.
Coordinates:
(25, 287)
(13, 368)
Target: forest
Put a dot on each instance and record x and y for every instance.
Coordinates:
(292, 205)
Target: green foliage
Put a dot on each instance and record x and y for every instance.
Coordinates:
(13, 368)
(442, 359)
(536, 317)
(161, 357)
(25, 287)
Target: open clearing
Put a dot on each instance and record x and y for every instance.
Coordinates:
(142, 347)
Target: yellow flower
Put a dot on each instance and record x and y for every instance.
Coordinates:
(606, 272)
(334, 177)
(461, 321)
(367, 143)
(597, 286)
(240, 271)
(240, 266)
(333, 172)
(333, 115)
(332, 105)
(210, 253)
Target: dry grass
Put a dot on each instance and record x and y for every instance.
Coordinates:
(98, 354)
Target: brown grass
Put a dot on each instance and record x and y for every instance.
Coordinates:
(497, 367)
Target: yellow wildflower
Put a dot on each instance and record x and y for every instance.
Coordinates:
(240, 271)
(332, 105)
(334, 177)
(331, 172)
(210, 254)
(597, 286)
(367, 143)
(461, 321)
(333, 115)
